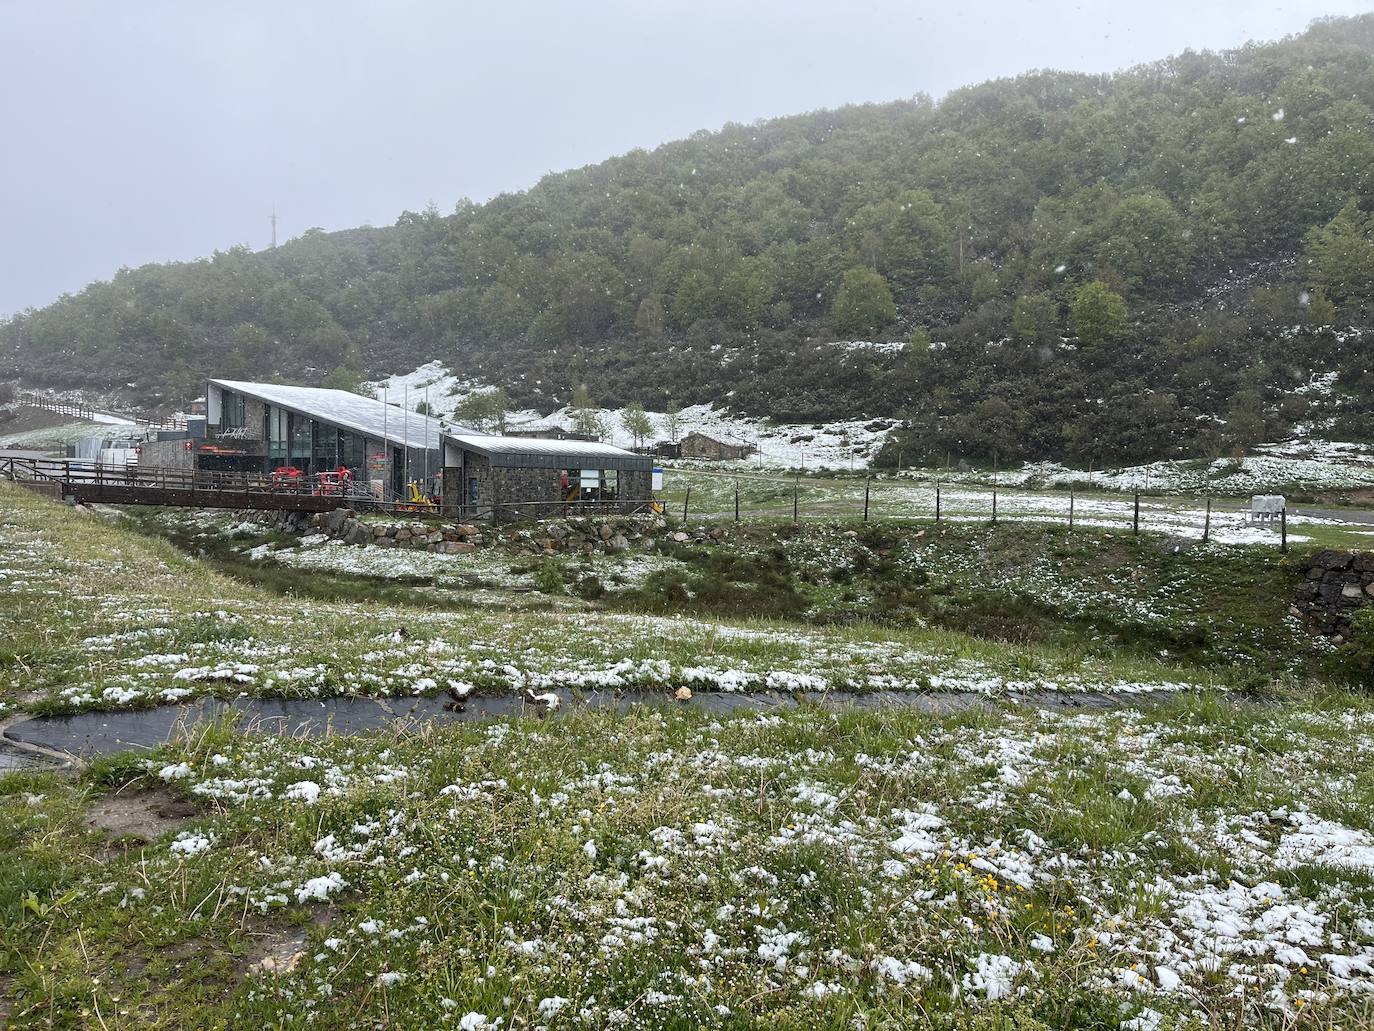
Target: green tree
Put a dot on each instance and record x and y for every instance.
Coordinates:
(586, 415)
(1340, 256)
(1147, 244)
(1035, 319)
(484, 409)
(343, 378)
(863, 305)
(1099, 314)
(672, 420)
(1245, 420)
(649, 319)
(636, 422)
(1320, 311)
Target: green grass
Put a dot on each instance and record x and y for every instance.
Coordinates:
(831, 497)
(459, 845)
(895, 858)
(104, 616)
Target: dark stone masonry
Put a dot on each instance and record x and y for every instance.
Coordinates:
(598, 533)
(1336, 585)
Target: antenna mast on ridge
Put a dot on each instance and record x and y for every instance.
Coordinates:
(274, 225)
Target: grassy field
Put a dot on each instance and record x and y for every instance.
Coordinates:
(1201, 861)
(104, 616)
(1190, 865)
(829, 498)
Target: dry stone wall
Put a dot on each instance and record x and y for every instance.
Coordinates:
(1336, 584)
(607, 534)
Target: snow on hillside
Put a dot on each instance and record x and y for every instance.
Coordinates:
(1305, 464)
(1299, 463)
(836, 445)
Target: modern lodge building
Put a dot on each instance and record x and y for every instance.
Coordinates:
(260, 427)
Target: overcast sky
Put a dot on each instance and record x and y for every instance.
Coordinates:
(145, 131)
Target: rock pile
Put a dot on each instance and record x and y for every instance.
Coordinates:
(611, 534)
(1336, 584)
(615, 534)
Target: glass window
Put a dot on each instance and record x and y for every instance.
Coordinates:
(299, 436)
(231, 410)
(276, 432)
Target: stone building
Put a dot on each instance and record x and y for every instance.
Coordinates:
(699, 445)
(530, 478)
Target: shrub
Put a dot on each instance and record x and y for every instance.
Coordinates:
(1357, 654)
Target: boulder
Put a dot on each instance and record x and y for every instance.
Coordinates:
(403, 534)
(606, 531)
(357, 533)
(1330, 558)
(464, 530)
(618, 543)
(681, 537)
(332, 523)
(1352, 592)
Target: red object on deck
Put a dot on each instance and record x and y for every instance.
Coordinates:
(287, 478)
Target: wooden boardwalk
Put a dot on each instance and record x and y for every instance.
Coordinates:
(89, 483)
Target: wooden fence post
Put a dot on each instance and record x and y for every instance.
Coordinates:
(686, 498)
(795, 484)
(1135, 520)
(867, 485)
(1283, 528)
(994, 506)
(937, 501)
(1070, 508)
(1207, 522)
(737, 501)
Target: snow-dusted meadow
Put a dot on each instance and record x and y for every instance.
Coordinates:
(1169, 855)
(141, 627)
(1133, 869)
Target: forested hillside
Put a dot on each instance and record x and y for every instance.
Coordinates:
(1090, 268)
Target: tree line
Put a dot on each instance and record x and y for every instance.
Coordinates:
(1081, 266)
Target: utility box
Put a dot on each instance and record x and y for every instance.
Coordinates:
(1267, 508)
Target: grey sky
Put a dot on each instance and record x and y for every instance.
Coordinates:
(146, 131)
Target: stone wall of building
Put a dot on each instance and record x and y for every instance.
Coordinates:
(254, 416)
(522, 494)
(167, 454)
(1336, 585)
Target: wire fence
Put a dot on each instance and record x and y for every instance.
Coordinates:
(792, 501)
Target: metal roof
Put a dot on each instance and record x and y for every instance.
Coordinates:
(350, 411)
(548, 453)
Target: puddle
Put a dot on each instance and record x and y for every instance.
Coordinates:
(104, 733)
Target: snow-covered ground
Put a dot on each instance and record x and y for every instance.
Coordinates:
(1306, 462)
(836, 445)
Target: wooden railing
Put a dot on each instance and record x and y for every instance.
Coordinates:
(207, 488)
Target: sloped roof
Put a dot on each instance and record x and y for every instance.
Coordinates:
(550, 453)
(350, 411)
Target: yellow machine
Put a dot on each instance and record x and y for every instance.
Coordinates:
(416, 500)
